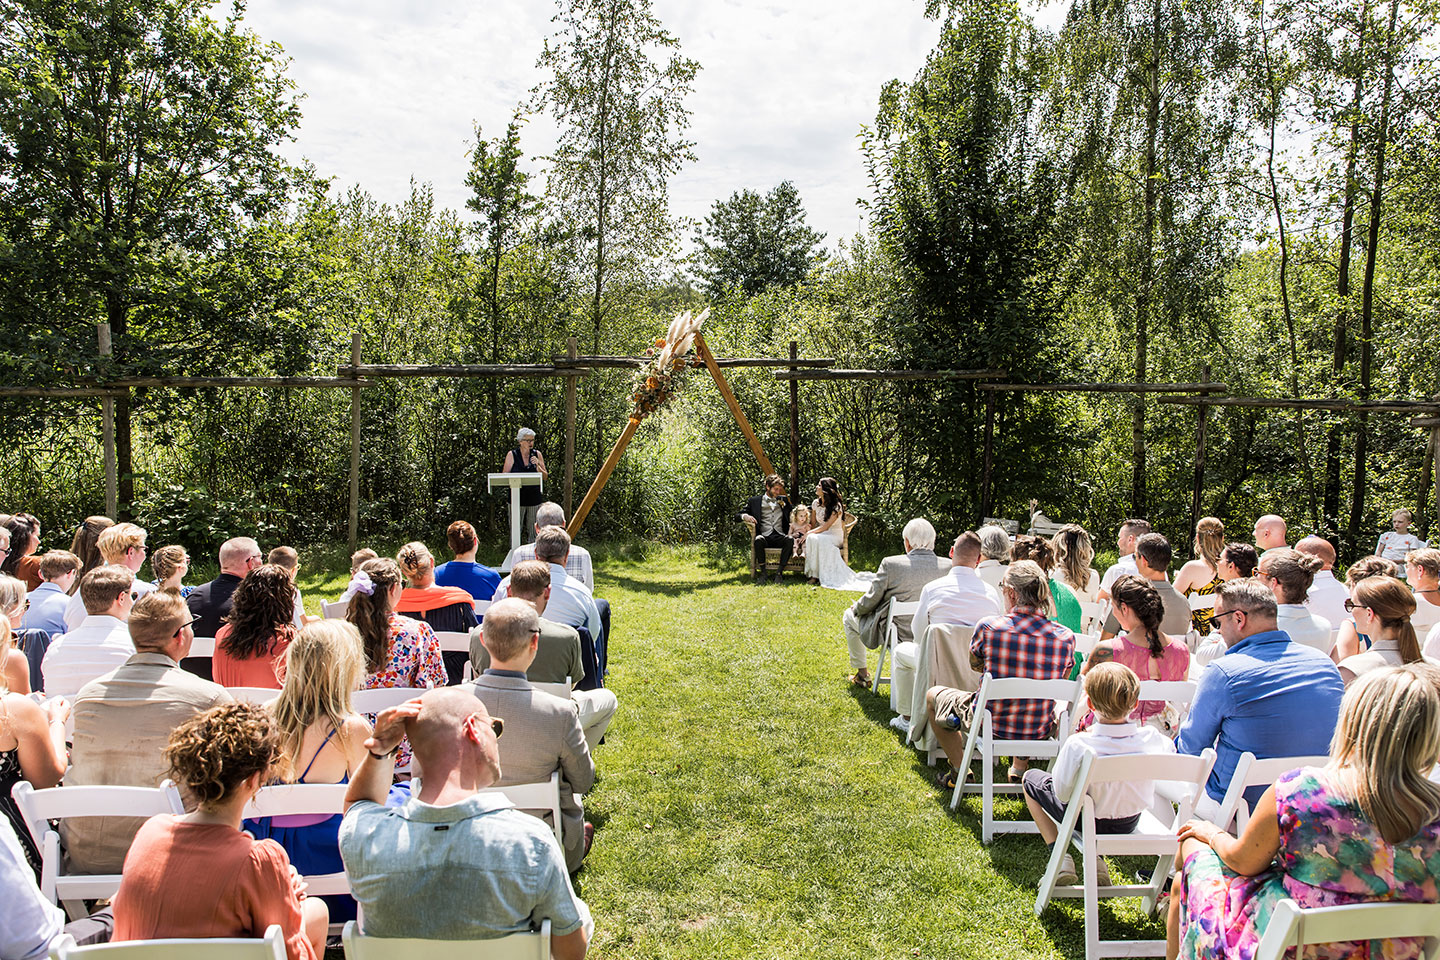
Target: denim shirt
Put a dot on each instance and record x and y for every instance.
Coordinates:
(1267, 694)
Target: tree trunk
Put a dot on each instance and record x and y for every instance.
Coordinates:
(117, 314)
(1147, 264)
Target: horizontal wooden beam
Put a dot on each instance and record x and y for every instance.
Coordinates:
(887, 374)
(1430, 422)
(257, 382)
(613, 361)
(459, 370)
(1287, 403)
(1104, 387)
(96, 392)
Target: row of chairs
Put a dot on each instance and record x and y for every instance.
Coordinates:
(336, 609)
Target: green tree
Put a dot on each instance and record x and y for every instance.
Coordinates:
(499, 195)
(752, 242)
(137, 147)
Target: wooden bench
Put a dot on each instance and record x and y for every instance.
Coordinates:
(797, 564)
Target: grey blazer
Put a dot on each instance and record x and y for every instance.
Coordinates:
(900, 577)
(542, 734)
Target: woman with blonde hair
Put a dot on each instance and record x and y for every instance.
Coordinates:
(446, 609)
(322, 740)
(170, 564)
(1074, 552)
(1382, 608)
(32, 745)
(1364, 827)
(1202, 575)
(250, 647)
(16, 668)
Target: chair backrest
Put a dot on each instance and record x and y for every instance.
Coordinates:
(253, 694)
(899, 608)
(1066, 692)
(541, 795)
(453, 641)
(481, 606)
(1085, 643)
(1045, 528)
(1171, 691)
(373, 701)
(292, 799)
(38, 807)
(1202, 601)
(334, 609)
(517, 946)
(1168, 767)
(1250, 772)
(270, 947)
(201, 647)
(1290, 926)
(1091, 613)
(561, 690)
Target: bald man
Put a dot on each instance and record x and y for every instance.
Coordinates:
(1327, 595)
(1270, 533)
(452, 863)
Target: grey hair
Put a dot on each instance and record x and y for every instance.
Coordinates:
(1248, 594)
(994, 543)
(920, 534)
(549, 514)
(524, 433)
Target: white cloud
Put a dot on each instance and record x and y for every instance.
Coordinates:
(393, 88)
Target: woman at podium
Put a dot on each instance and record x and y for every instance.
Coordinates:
(524, 458)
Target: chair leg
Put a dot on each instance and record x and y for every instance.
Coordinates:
(962, 773)
(987, 790)
(1092, 895)
(880, 667)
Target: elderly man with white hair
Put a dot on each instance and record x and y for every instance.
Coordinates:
(994, 554)
(901, 578)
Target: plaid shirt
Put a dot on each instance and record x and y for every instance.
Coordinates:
(1023, 643)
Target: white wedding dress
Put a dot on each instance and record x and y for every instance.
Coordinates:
(824, 562)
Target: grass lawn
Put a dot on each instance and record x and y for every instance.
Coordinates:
(750, 804)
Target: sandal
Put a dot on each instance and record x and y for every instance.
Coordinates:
(946, 780)
(861, 680)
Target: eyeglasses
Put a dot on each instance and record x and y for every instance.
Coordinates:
(497, 724)
(1221, 616)
(181, 628)
(1351, 606)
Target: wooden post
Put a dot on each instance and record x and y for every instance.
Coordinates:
(591, 495)
(107, 430)
(704, 351)
(1197, 491)
(572, 350)
(987, 497)
(1435, 439)
(354, 526)
(794, 428)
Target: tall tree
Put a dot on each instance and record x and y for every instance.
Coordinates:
(752, 242)
(499, 194)
(137, 144)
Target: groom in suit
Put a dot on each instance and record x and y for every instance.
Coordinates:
(771, 513)
(900, 577)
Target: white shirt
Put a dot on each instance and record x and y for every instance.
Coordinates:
(1426, 614)
(1393, 546)
(28, 922)
(1124, 565)
(991, 571)
(100, 644)
(958, 597)
(1432, 645)
(75, 610)
(570, 603)
(1119, 798)
(1304, 626)
(577, 564)
(1327, 598)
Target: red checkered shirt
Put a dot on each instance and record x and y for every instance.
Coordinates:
(1023, 643)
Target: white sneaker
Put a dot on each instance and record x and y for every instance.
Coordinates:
(901, 724)
(1067, 876)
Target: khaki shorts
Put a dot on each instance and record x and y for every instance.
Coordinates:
(954, 709)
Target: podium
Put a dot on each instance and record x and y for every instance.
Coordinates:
(514, 481)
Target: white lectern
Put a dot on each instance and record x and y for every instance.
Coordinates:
(515, 481)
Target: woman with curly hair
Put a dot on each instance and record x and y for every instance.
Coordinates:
(1074, 552)
(446, 609)
(1067, 611)
(1142, 647)
(250, 647)
(198, 875)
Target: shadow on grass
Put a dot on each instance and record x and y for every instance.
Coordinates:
(674, 587)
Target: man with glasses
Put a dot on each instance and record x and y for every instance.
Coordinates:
(453, 863)
(123, 545)
(210, 602)
(123, 721)
(1267, 694)
(101, 641)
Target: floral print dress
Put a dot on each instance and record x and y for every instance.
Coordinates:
(414, 660)
(1330, 855)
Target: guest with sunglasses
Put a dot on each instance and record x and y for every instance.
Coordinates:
(124, 719)
(100, 642)
(1382, 608)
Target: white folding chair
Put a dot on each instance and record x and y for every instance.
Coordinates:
(561, 690)
(270, 947)
(202, 647)
(39, 807)
(981, 739)
(1092, 616)
(1250, 772)
(517, 946)
(542, 796)
(481, 606)
(252, 694)
(453, 641)
(1085, 643)
(373, 701)
(1151, 837)
(1293, 926)
(304, 799)
(334, 609)
(1202, 601)
(898, 608)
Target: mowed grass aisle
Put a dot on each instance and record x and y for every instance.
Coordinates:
(749, 804)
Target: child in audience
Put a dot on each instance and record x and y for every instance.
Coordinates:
(170, 564)
(800, 524)
(1394, 544)
(1113, 690)
(287, 559)
(358, 558)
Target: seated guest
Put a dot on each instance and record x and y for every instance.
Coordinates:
(1422, 571)
(1349, 641)
(994, 554)
(901, 578)
(545, 731)
(120, 545)
(1270, 533)
(446, 609)
(170, 564)
(474, 578)
(1143, 647)
(30, 924)
(1364, 827)
(1038, 549)
(1327, 595)
(557, 657)
(357, 560)
(1130, 531)
(571, 602)
(453, 863)
(83, 544)
(250, 647)
(961, 597)
(288, 560)
(21, 562)
(199, 875)
(1113, 691)
(1152, 563)
(58, 571)
(1238, 561)
(1021, 643)
(123, 721)
(1289, 574)
(32, 748)
(1382, 608)
(101, 642)
(14, 667)
(1268, 694)
(323, 741)
(578, 564)
(210, 602)
(1201, 576)
(1073, 554)
(1396, 544)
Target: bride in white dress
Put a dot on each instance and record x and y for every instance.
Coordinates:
(823, 563)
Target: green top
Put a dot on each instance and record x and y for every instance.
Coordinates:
(1067, 606)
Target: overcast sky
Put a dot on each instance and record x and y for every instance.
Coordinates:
(393, 89)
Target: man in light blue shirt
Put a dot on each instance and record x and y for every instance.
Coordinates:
(452, 864)
(1267, 694)
(58, 570)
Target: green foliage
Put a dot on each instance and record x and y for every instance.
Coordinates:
(750, 243)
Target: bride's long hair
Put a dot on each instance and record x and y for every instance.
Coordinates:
(830, 496)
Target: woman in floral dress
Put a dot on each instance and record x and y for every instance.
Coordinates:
(1364, 827)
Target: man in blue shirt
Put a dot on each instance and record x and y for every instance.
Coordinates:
(1267, 694)
(475, 579)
